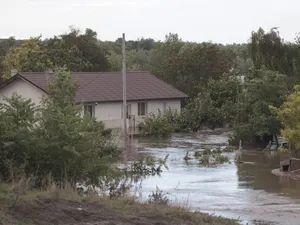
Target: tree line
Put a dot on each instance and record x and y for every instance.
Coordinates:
(183, 64)
(228, 85)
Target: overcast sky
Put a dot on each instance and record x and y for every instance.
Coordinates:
(224, 21)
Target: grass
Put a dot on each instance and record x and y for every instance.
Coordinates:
(32, 201)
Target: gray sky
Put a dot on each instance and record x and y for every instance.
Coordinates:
(224, 21)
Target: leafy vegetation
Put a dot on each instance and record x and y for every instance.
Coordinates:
(55, 141)
(288, 114)
(228, 85)
(254, 120)
(161, 124)
(211, 157)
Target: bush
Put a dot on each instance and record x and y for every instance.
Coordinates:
(158, 197)
(161, 124)
(209, 157)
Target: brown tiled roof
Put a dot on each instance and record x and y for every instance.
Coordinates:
(107, 86)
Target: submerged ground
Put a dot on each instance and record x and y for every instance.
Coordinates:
(247, 191)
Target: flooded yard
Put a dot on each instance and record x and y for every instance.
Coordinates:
(246, 191)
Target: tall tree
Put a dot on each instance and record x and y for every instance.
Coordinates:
(289, 116)
(254, 119)
(28, 57)
(78, 52)
(268, 50)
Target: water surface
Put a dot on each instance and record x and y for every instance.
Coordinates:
(247, 191)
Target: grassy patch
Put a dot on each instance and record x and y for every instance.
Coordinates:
(66, 205)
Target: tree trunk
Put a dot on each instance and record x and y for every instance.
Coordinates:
(276, 139)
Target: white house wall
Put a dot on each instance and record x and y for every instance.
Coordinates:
(23, 88)
(111, 113)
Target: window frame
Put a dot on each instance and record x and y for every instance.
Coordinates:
(140, 108)
(87, 111)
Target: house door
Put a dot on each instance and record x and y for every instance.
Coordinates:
(128, 111)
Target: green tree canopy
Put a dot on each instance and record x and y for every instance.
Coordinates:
(254, 119)
(28, 57)
(289, 115)
(75, 51)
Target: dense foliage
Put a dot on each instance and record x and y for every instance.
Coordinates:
(76, 51)
(289, 116)
(53, 139)
(228, 85)
(254, 120)
(161, 123)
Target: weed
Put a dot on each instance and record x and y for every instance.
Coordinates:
(229, 148)
(158, 197)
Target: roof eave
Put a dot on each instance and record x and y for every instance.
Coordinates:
(134, 100)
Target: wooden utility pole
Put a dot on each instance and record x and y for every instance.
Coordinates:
(124, 91)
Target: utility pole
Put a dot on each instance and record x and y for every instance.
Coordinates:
(124, 91)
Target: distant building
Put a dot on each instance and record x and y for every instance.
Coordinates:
(101, 94)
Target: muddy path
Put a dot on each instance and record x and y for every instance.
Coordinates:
(247, 191)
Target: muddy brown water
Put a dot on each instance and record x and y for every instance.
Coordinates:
(246, 191)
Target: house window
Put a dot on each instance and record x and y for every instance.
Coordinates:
(89, 110)
(142, 108)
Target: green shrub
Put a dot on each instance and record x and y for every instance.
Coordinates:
(160, 124)
(158, 197)
(209, 157)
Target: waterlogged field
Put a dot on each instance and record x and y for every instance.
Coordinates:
(247, 191)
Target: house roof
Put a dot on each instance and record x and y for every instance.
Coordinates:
(107, 86)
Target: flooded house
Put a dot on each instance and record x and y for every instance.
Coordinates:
(101, 94)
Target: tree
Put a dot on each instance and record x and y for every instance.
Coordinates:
(75, 51)
(164, 57)
(197, 63)
(71, 147)
(78, 52)
(268, 50)
(17, 122)
(28, 57)
(136, 60)
(289, 115)
(215, 105)
(254, 119)
(5, 45)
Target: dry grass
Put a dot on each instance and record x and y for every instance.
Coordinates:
(124, 208)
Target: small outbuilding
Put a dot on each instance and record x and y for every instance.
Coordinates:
(290, 165)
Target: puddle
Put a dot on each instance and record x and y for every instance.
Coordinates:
(246, 191)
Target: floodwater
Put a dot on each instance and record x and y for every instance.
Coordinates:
(248, 191)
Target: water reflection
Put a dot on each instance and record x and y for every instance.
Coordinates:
(257, 176)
